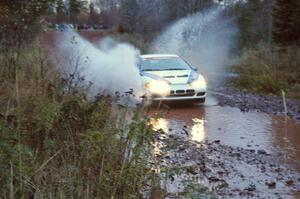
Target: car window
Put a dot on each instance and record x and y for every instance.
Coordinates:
(157, 64)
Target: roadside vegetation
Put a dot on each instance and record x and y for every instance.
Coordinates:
(268, 70)
(55, 141)
(269, 47)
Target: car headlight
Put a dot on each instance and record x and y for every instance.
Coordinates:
(158, 87)
(199, 82)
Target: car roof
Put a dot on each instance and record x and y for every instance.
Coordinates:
(153, 56)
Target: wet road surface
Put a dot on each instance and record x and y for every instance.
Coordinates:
(252, 131)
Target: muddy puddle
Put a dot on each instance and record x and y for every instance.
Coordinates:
(250, 130)
(255, 154)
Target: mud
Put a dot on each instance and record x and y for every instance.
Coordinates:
(228, 96)
(212, 150)
(227, 172)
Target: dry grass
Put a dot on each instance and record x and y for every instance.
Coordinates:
(268, 70)
(58, 144)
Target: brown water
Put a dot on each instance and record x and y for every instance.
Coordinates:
(251, 130)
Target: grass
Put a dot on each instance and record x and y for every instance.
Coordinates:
(269, 69)
(55, 143)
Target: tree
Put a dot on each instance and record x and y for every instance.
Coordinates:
(286, 22)
(61, 11)
(75, 8)
(92, 13)
(186, 7)
(107, 5)
(254, 22)
(21, 22)
(146, 16)
(130, 10)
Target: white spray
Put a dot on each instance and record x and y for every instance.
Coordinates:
(110, 67)
(205, 39)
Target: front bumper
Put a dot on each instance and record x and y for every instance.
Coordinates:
(181, 92)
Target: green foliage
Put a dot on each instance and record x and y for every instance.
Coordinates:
(130, 11)
(75, 8)
(48, 113)
(148, 17)
(58, 144)
(93, 14)
(20, 21)
(254, 22)
(267, 70)
(183, 8)
(61, 11)
(286, 22)
(7, 151)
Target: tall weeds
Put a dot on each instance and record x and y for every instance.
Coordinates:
(270, 69)
(58, 144)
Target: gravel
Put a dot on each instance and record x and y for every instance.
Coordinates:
(245, 101)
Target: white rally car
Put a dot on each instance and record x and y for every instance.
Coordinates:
(170, 78)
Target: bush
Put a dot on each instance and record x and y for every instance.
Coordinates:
(269, 69)
(55, 143)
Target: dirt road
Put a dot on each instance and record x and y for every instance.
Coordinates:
(234, 153)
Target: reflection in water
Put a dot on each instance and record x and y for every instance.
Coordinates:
(287, 137)
(235, 128)
(250, 130)
(197, 132)
(187, 122)
(160, 123)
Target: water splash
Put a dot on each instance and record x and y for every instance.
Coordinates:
(108, 67)
(205, 39)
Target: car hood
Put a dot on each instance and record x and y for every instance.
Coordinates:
(172, 76)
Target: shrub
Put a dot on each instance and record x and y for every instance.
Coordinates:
(59, 144)
(268, 69)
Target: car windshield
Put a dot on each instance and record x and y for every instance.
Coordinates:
(158, 64)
